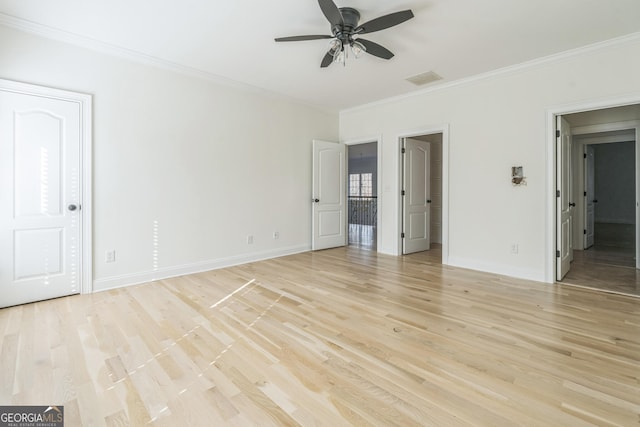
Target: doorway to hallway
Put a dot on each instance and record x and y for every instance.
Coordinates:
(362, 194)
(601, 195)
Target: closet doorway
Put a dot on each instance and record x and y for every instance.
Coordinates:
(422, 194)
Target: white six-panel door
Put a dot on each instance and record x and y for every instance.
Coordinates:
(416, 199)
(564, 238)
(590, 217)
(40, 191)
(329, 196)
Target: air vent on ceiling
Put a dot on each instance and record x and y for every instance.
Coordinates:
(424, 78)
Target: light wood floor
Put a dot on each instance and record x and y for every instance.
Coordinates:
(338, 337)
(605, 268)
(609, 265)
(363, 236)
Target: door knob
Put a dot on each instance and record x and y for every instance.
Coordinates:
(428, 201)
(72, 207)
(595, 201)
(315, 200)
(572, 205)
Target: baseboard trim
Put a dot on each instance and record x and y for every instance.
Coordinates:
(503, 270)
(125, 280)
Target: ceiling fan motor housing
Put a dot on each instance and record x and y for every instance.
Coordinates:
(350, 19)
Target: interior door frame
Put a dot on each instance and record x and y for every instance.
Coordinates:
(550, 184)
(444, 130)
(583, 140)
(378, 141)
(85, 103)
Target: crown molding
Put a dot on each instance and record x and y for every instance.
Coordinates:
(139, 57)
(143, 58)
(511, 69)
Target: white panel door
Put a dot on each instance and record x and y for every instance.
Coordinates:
(40, 191)
(416, 199)
(590, 216)
(564, 226)
(329, 195)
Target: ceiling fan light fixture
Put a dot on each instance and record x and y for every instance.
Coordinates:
(335, 46)
(340, 57)
(358, 49)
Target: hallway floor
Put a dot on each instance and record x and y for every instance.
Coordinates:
(609, 265)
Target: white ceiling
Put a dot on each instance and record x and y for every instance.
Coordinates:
(233, 39)
(606, 115)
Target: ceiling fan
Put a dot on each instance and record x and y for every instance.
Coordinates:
(346, 32)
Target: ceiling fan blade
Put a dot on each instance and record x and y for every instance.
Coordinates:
(375, 49)
(302, 38)
(384, 22)
(331, 12)
(327, 60)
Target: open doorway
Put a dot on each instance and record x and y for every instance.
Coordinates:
(600, 182)
(362, 194)
(422, 195)
(610, 187)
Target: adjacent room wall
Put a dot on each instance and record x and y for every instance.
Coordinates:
(184, 168)
(615, 182)
(436, 187)
(368, 164)
(495, 122)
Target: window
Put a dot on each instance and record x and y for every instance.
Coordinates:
(366, 184)
(354, 184)
(361, 185)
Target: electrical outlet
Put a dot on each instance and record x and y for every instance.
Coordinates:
(276, 235)
(249, 240)
(110, 256)
(514, 248)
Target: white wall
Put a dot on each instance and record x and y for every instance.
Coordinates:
(495, 122)
(201, 163)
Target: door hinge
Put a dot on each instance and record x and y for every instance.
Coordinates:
(557, 254)
(402, 235)
(404, 150)
(584, 156)
(403, 193)
(584, 231)
(557, 134)
(557, 193)
(585, 194)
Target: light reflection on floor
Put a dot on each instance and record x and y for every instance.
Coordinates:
(363, 236)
